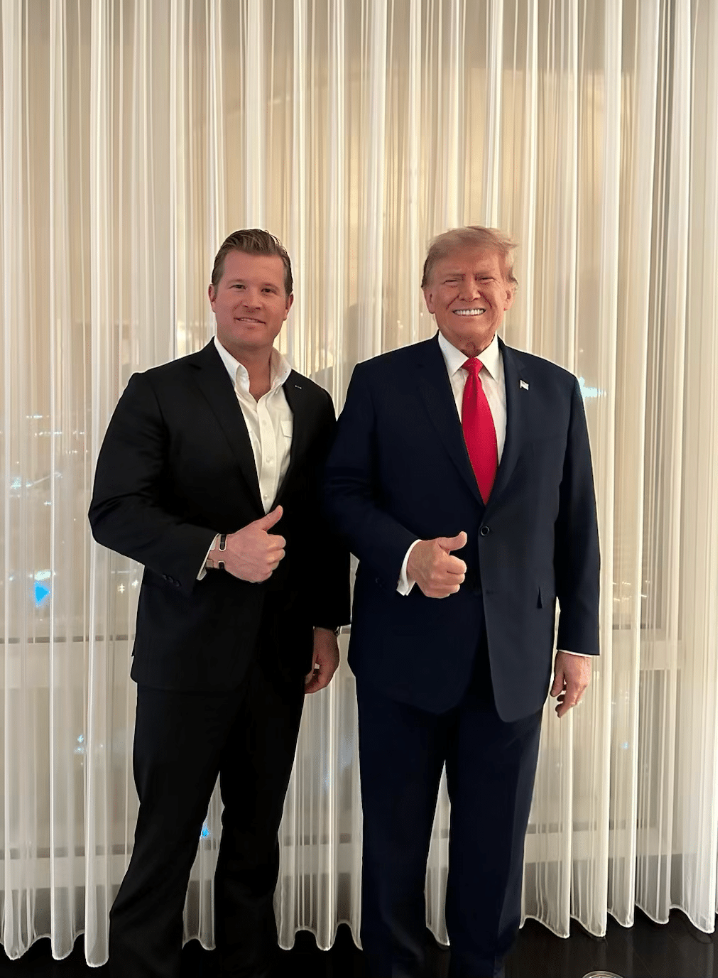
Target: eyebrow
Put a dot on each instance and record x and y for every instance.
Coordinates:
(457, 274)
(263, 285)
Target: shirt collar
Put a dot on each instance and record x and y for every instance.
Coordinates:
(279, 368)
(455, 359)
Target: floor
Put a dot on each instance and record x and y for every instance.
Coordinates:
(647, 950)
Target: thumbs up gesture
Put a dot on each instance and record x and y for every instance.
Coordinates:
(432, 566)
(253, 553)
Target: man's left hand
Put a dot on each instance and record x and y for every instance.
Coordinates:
(325, 660)
(571, 676)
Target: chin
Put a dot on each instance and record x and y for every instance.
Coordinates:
(476, 342)
(252, 339)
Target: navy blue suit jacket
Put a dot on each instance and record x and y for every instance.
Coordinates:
(399, 471)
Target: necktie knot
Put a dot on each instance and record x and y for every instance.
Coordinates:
(473, 366)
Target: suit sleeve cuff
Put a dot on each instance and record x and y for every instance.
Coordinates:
(569, 652)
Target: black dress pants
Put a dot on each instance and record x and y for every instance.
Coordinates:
(183, 742)
(490, 768)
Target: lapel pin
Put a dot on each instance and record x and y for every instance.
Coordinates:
(523, 385)
(298, 386)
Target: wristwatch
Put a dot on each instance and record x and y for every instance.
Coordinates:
(222, 545)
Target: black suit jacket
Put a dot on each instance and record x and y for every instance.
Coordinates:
(399, 471)
(176, 467)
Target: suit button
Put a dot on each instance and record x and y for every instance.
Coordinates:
(484, 531)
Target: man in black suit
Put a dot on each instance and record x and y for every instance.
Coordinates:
(208, 475)
(461, 478)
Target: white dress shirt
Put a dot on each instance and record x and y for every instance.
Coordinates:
(269, 421)
(270, 424)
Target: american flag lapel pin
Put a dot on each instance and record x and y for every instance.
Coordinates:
(523, 385)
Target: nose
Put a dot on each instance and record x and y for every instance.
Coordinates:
(470, 289)
(251, 299)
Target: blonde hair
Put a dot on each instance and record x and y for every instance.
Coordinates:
(472, 236)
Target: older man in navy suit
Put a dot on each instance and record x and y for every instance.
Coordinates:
(461, 477)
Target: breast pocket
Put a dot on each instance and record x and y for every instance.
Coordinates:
(284, 443)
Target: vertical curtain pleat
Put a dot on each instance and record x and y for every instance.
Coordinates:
(136, 134)
(372, 175)
(693, 200)
(104, 381)
(253, 176)
(638, 108)
(494, 91)
(19, 804)
(661, 691)
(333, 309)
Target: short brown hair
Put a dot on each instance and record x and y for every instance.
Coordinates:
(472, 236)
(252, 241)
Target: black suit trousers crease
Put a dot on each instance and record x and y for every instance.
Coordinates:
(183, 741)
(490, 769)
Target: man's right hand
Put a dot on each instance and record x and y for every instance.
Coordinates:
(252, 554)
(432, 567)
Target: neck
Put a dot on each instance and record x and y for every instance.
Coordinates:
(253, 361)
(259, 369)
(258, 364)
(471, 349)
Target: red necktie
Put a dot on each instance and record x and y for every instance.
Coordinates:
(479, 431)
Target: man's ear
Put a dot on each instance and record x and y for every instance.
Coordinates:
(429, 299)
(290, 301)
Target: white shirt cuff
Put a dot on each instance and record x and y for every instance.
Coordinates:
(569, 652)
(405, 583)
(203, 569)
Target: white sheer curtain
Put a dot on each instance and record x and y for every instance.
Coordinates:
(135, 135)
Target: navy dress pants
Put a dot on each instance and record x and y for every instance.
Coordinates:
(490, 767)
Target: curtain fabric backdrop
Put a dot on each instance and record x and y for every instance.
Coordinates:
(135, 135)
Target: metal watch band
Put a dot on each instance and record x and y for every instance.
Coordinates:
(222, 546)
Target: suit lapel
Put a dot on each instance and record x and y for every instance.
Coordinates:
(296, 399)
(214, 382)
(435, 390)
(515, 406)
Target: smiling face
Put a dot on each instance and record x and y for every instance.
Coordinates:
(468, 293)
(250, 303)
